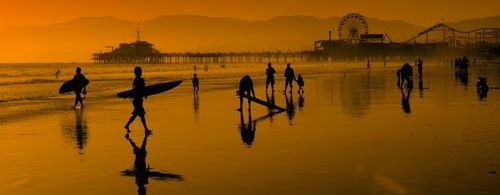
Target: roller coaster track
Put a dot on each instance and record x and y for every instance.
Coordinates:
(482, 32)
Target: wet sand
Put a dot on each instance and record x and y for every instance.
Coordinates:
(348, 134)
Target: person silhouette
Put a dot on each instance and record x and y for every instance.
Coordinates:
(138, 86)
(300, 82)
(80, 85)
(246, 89)
(141, 171)
(289, 77)
(419, 68)
(482, 88)
(270, 76)
(406, 75)
(196, 83)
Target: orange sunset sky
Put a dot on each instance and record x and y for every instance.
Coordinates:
(421, 12)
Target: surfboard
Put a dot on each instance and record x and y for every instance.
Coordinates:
(69, 86)
(151, 89)
(264, 103)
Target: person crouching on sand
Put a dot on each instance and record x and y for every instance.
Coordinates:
(245, 89)
(138, 86)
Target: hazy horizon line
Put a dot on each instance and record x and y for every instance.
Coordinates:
(230, 17)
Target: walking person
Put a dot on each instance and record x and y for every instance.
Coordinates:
(138, 86)
(80, 84)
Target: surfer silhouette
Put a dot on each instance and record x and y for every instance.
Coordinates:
(196, 83)
(138, 86)
(270, 76)
(246, 89)
(289, 77)
(80, 83)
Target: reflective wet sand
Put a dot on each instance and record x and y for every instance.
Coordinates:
(352, 132)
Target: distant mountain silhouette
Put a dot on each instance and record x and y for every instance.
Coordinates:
(77, 39)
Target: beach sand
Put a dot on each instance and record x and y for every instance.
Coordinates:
(348, 134)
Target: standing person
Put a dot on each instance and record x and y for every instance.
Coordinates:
(419, 67)
(270, 76)
(196, 83)
(80, 84)
(368, 64)
(138, 86)
(289, 77)
(246, 89)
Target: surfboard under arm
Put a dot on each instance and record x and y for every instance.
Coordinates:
(264, 103)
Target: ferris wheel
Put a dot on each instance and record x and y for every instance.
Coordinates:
(351, 27)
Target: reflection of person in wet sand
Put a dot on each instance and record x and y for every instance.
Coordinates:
(289, 77)
(77, 130)
(290, 106)
(270, 76)
(141, 170)
(301, 100)
(405, 100)
(80, 87)
(138, 86)
(245, 88)
(247, 131)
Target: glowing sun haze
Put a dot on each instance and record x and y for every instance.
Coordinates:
(421, 12)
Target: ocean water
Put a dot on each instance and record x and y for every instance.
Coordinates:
(353, 131)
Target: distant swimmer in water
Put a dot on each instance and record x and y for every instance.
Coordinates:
(245, 88)
(270, 76)
(300, 82)
(138, 86)
(289, 77)
(196, 83)
(80, 83)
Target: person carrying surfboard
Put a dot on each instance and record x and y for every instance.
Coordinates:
(289, 77)
(246, 88)
(138, 86)
(270, 76)
(80, 85)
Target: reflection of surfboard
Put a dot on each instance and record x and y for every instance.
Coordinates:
(69, 86)
(264, 103)
(151, 89)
